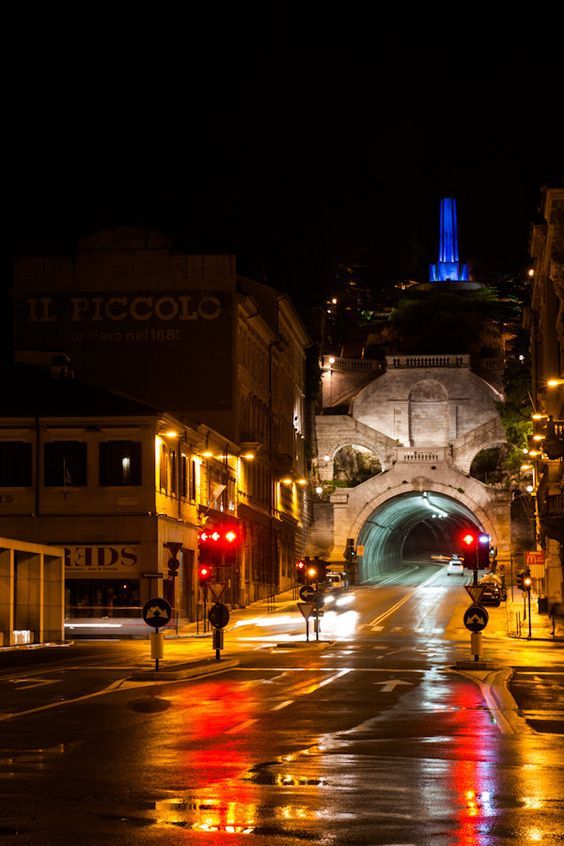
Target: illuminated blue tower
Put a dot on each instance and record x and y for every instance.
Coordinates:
(448, 268)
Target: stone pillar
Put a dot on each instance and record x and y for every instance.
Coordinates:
(6, 596)
(53, 599)
(28, 603)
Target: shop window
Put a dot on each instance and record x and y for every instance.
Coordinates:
(120, 463)
(65, 464)
(15, 464)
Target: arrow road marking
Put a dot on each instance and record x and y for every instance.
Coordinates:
(389, 685)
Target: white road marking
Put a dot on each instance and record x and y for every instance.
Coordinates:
(27, 684)
(240, 727)
(391, 684)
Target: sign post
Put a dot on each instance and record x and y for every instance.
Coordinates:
(219, 617)
(305, 609)
(475, 619)
(156, 613)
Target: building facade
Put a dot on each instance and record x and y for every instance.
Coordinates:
(545, 320)
(186, 334)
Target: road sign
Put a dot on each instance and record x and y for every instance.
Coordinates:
(306, 609)
(307, 593)
(218, 615)
(217, 590)
(360, 550)
(476, 618)
(152, 575)
(157, 612)
(475, 592)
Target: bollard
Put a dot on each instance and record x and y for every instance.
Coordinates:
(157, 647)
(476, 645)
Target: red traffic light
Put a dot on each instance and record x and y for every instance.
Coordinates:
(204, 573)
(469, 539)
(219, 537)
(300, 565)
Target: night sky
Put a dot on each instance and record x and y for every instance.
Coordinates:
(297, 135)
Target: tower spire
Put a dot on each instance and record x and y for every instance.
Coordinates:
(448, 268)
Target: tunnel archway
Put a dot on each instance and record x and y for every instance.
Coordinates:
(412, 526)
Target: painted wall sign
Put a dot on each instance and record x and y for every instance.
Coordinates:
(122, 559)
(141, 337)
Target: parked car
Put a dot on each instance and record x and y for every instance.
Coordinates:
(492, 594)
(455, 566)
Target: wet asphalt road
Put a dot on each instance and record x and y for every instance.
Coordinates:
(368, 738)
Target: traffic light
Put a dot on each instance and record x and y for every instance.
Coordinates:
(300, 572)
(205, 573)
(219, 544)
(321, 567)
(483, 551)
(524, 581)
(350, 552)
(470, 542)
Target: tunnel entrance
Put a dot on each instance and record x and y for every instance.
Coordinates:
(412, 527)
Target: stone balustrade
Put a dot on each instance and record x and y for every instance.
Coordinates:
(402, 361)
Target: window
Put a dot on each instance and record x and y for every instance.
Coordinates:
(173, 475)
(183, 476)
(163, 469)
(15, 464)
(193, 481)
(120, 463)
(65, 464)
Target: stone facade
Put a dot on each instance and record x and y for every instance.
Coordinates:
(425, 418)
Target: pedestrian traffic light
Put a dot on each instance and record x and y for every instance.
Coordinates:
(483, 551)
(300, 572)
(469, 541)
(204, 573)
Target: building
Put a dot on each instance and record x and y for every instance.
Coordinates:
(32, 586)
(545, 320)
(186, 334)
(121, 486)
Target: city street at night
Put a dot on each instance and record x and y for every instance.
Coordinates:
(369, 736)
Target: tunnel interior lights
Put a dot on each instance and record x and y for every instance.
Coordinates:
(438, 512)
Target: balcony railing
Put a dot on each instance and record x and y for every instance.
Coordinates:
(363, 365)
(397, 361)
(423, 455)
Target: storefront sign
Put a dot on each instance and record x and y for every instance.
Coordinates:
(122, 559)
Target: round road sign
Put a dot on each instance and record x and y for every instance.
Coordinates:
(307, 593)
(476, 618)
(157, 612)
(218, 615)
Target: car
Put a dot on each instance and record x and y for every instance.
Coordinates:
(455, 567)
(491, 595)
(334, 582)
(442, 559)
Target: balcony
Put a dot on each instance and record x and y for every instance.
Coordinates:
(393, 362)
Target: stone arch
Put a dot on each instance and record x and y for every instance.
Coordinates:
(354, 463)
(428, 414)
(485, 464)
(482, 517)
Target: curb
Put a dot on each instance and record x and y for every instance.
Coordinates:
(195, 670)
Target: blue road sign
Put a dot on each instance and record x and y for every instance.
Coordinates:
(157, 612)
(476, 618)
